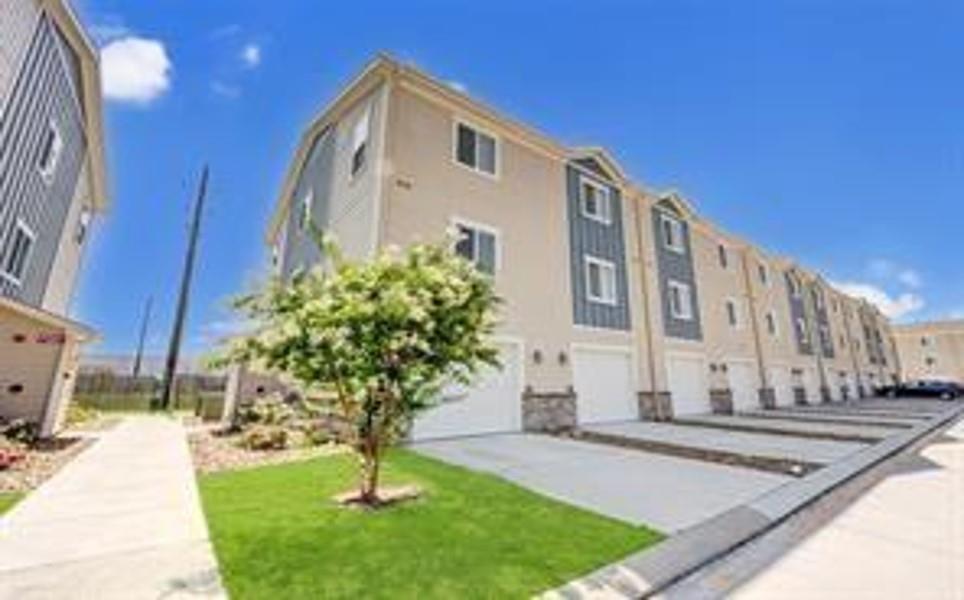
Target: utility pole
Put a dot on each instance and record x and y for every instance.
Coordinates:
(140, 342)
(174, 349)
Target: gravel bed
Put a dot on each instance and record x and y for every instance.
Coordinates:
(214, 453)
(41, 462)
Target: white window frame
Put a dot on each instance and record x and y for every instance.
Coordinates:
(477, 227)
(305, 210)
(606, 266)
(678, 244)
(84, 221)
(358, 141)
(497, 145)
(685, 312)
(737, 317)
(603, 201)
(48, 168)
(17, 280)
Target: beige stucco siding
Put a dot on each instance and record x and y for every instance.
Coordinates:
(525, 204)
(931, 350)
(30, 360)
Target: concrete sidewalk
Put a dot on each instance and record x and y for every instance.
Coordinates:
(123, 520)
(902, 538)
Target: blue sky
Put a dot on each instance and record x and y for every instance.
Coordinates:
(829, 131)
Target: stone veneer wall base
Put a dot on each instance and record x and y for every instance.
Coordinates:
(655, 406)
(721, 400)
(549, 412)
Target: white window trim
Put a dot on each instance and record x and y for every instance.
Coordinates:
(677, 226)
(603, 264)
(737, 313)
(686, 309)
(47, 173)
(606, 218)
(17, 281)
(365, 116)
(474, 169)
(482, 227)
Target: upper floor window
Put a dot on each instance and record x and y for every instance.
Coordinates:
(83, 225)
(15, 264)
(600, 280)
(680, 301)
(672, 233)
(771, 324)
(51, 147)
(594, 201)
(802, 331)
(817, 299)
(305, 210)
(478, 245)
(359, 142)
(732, 313)
(723, 256)
(764, 274)
(925, 341)
(475, 149)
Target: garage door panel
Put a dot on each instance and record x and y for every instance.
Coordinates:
(687, 385)
(493, 404)
(743, 385)
(604, 384)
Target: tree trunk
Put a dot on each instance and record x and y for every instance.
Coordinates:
(371, 463)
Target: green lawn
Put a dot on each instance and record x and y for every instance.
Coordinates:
(278, 534)
(7, 500)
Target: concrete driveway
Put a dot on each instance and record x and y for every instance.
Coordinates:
(739, 442)
(665, 492)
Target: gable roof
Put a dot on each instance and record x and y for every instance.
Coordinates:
(601, 162)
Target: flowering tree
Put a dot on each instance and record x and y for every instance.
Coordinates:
(381, 338)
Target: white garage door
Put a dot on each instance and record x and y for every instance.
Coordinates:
(603, 380)
(493, 404)
(687, 385)
(742, 376)
(782, 385)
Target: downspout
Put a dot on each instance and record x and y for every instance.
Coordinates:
(754, 320)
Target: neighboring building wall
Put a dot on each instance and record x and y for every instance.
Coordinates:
(931, 350)
(43, 96)
(30, 357)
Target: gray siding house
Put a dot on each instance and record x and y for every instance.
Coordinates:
(51, 186)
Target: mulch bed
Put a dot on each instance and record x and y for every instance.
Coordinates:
(41, 462)
(213, 453)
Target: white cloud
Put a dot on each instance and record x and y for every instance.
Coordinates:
(883, 269)
(108, 31)
(251, 55)
(458, 86)
(226, 90)
(895, 307)
(135, 70)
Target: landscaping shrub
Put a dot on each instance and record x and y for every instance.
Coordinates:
(10, 453)
(78, 414)
(264, 437)
(20, 430)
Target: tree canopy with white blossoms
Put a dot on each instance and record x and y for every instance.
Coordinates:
(375, 340)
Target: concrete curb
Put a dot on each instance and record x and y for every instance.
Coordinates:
(648, 572)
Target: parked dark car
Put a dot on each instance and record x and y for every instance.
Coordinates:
(924, 388)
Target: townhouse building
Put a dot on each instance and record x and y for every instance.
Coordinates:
(932, 350)
(621, 302)
(51, 186)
